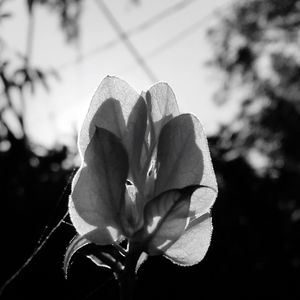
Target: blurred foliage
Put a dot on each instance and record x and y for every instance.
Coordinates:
(255, 251)
(17, 75)
(257, 155)
(68, 12)
(257, 49)
(34, 180)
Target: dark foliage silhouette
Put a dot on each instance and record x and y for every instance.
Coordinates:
(257, 155)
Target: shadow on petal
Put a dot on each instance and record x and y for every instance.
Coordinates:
(136, 129)
(179, 156)
(98, 188)
(162, 105)
(192, 246)
(110, 117)
(183, 159)
(110, 108)
(128, 122)
(166, 217)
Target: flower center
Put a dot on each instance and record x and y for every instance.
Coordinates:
(132, 213)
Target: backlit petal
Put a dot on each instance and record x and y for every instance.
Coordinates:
(118, 108)
(192, 246)
(166, 217)
(162, 105)
(98, 188)
(183, 159)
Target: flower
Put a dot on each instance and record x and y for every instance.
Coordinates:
(146, 174)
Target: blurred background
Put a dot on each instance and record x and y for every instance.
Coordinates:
(234, 64)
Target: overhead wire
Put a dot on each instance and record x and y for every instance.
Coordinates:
(185, 33)
(162, 15)
(159, 17)
(127, 42)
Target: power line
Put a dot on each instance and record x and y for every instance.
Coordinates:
(183, 34)
(180, 36)
(125, 38)
(159, 17)
(168, 12)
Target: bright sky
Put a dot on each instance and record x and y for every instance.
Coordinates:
(175, 49)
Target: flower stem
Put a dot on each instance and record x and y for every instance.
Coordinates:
(128, 278)
(127, 284)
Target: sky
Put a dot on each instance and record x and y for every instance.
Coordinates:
(175, 49)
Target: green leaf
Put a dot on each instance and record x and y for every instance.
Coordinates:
(166, 217)
(183, 159)
(192, 246)
(119, 109)
(77, 243)
(98, 189)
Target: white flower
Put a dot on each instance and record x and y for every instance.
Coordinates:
(146, 174)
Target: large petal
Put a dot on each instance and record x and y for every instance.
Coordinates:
(118, 108)
(183, 159)
(162, 104)
(162, 107)
(98, 188)
(166, 218)
(192, 246)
